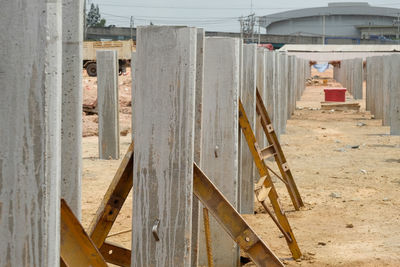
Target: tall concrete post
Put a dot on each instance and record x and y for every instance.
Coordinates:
(71, 128)
(220, 137)
(261, 85)
(379, 91)
(358, 74)
(198, 142)
(30, 132)
(282, 92)
(108, 104)
(370, 80)
(133, 79)
(248, 97)
(277, 86)
(269, 83)
(386, 89)
(164, 119)
(395, 96)
(289, 92)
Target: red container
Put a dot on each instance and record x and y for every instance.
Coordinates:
(335, 95)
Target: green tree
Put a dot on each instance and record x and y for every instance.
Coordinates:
(93, 17)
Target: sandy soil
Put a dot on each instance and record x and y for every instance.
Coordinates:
(352, 212)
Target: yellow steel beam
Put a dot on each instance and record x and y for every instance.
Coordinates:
(76, 248)
(267, 189)
(232, 221)
(113, 200)
(279, 155)
(116, 255)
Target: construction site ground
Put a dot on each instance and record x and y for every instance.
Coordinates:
(346, 165)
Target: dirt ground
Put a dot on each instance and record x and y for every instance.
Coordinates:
(347, 168)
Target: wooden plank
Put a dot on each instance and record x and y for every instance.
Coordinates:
(76, 248)
(113, 200)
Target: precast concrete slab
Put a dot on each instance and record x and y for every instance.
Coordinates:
(248, 97)
(269, 83)
(107, 103)
(395, 96)
(71, 127)
(196, 220)
(30, 132)
(221, 136)
(164, 120)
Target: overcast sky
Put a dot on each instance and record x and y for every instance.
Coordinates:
(213, 15)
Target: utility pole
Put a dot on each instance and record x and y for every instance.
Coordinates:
(259, 30)
(323, 29)
(398, 27)
(84, 20)
(131, 25)
(241, 27)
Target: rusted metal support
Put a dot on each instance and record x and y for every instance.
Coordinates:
(208, 237)
(113, 200)
(116, 255)
(265, 187)
(76, 248)
(232, 221)
(280, 159)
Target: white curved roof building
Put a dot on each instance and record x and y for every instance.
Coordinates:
(345, 19)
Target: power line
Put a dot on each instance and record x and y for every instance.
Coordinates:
(194, 7)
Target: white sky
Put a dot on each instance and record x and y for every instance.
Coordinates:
(213, 15)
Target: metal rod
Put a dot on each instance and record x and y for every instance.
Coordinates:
(120, 233)
(280, 178)
(208, 237)
(288, 238)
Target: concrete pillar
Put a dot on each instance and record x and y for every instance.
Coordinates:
(30, 132)
(108, 104)
(301, 79)
(196, 220)
(261, 85)
(164, 145)
(358, 78)
(269, 83)
(71, 128)
(386, 88)
(282, 91)
(290, 83)
(220, 136)
(248, 97)
(368, 90)
(133, 78)
(375, 75)
(379, 91)
(277, 89)
(395, 96)
(294, 85)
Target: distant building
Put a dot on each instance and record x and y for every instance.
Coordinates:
(351, 20)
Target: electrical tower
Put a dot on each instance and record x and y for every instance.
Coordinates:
(247, 28)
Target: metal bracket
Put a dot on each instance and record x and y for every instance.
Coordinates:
(285, 167)
(246, 239)
(270, 128)
(154, 230)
